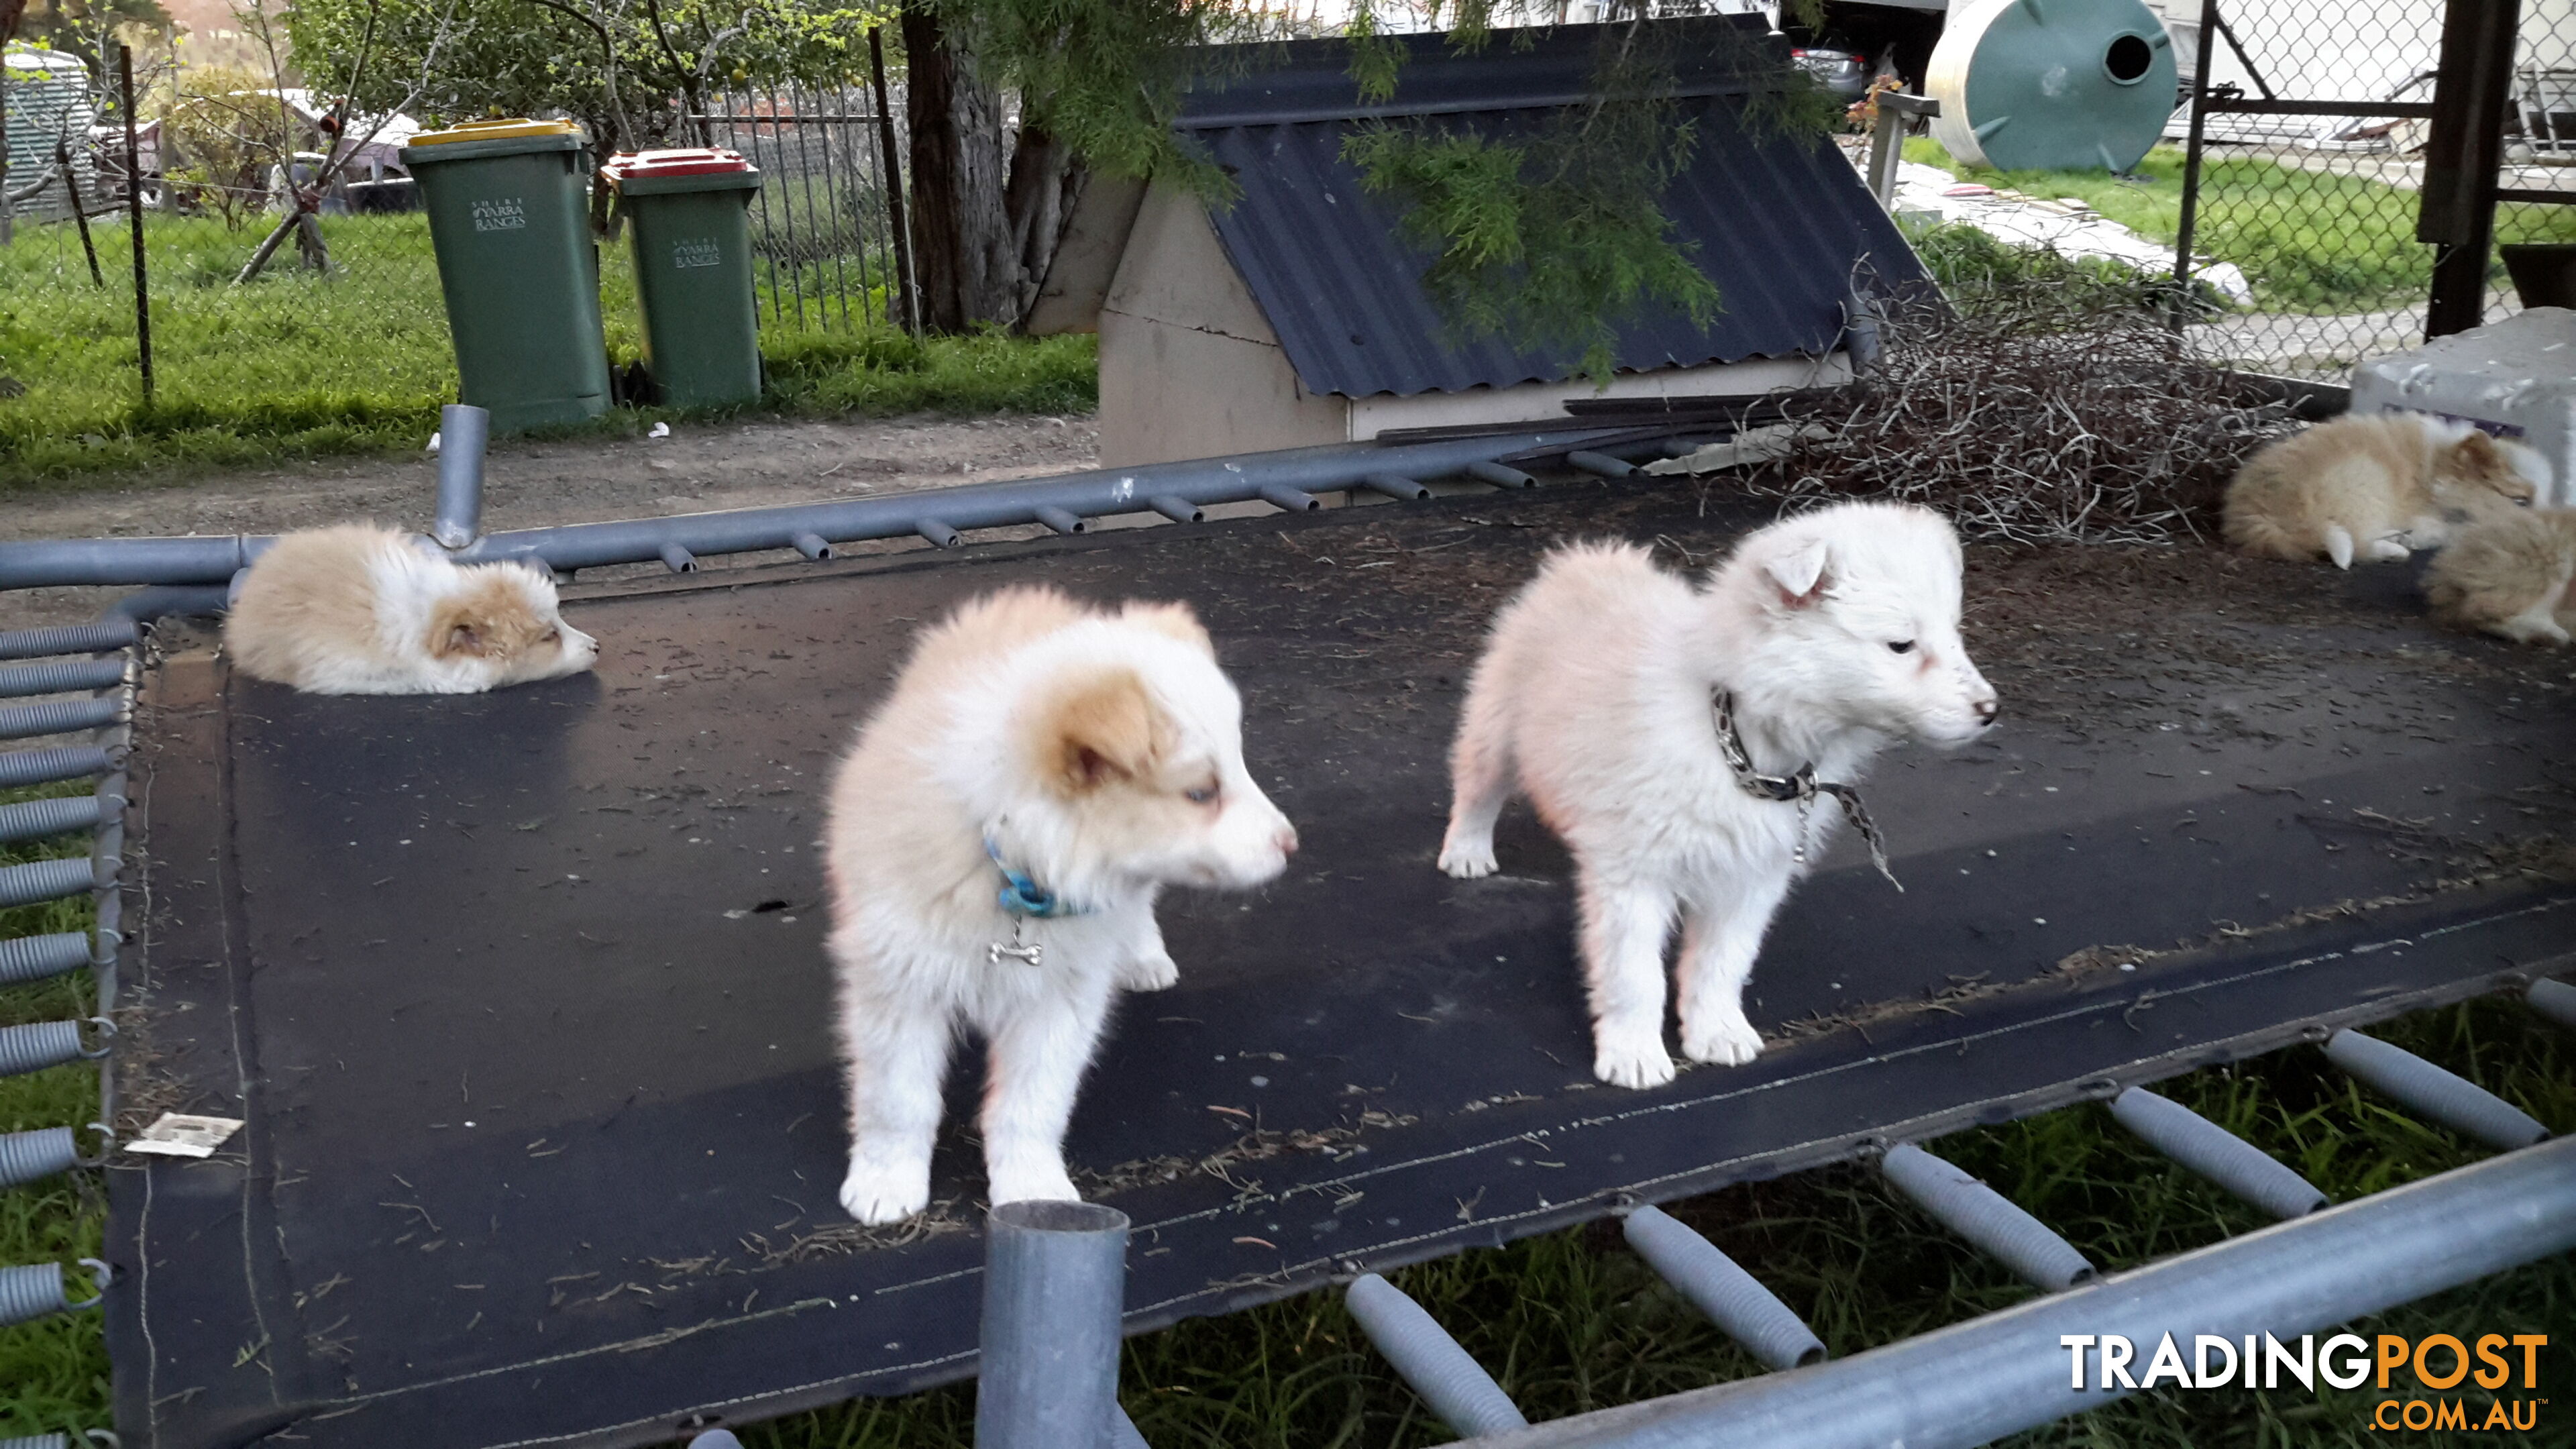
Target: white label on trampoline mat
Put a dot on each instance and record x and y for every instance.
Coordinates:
(180, 1135)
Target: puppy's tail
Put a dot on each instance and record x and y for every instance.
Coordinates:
(2264, 534)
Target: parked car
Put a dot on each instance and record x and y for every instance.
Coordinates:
(1840, 71)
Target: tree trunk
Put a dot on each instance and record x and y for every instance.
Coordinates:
(1045, 181)
(965, 258)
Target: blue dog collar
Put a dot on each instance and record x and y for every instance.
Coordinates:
(1021, 895)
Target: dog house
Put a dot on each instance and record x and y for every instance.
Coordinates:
(1296, 315)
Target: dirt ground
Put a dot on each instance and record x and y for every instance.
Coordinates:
(531, 484)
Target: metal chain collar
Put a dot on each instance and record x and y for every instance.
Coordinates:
(1802, 787)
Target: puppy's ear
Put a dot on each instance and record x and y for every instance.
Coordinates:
(1104, 729)
(1175, 620)
(456, 631)
(1800, 575)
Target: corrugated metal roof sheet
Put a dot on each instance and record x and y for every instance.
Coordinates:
(1779, 223)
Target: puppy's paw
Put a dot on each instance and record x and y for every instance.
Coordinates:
(1154, 972)
(1032, 1182)
(877, 1192)
(1726, 1041)
(2389, 550)
(1638, 1062)
(1467, 859)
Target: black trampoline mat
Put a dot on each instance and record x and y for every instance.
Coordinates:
(524, 999)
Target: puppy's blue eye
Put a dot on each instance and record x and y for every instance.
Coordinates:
(1200, 795)
(1902, 646)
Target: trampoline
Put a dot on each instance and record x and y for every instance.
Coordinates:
(523, 996)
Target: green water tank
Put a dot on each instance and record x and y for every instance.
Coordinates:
(2053, 85)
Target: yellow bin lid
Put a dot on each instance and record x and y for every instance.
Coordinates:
(506, 129)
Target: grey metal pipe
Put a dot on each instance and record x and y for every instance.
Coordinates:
(2419, 1086)
(36, 819)
(1059, 520)
(1428, 1360)
(2555, 1000)
(677, 559)
(45, 880)
(1975, 1382)
(463, 432)
(1122, 1431)
(38, 767)
(143, 606)
(62, 677)
(938, 532)
(27, 721)
(73, 638)
(1731, 1298)
(1985, 1217)
(1395, 485)
(1177, 509)
(33, 958)
(2216, 1153)
(1603, 464)
(233, 588)
(1501, 476)
(1055, 1280)
(1098, 493)
(812, 546)
(36, 1291)
(37, 1045)
(29, 1156)
(1290, 500)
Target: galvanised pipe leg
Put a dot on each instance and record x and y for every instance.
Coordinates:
(233, 587)
(2555, 1000)
(1603, 464)
(1059, 520)
(2216, 1153)
(1428, 1360)
(813, 547)
(1986, 1218)
(1404, 489)
(1292, 500)
(463, 431)
(1501, 476)
(939, 534)
(2418, 1085)
(1738, 1305)
(1177, 509)
(1055, 1281)
(678, 560)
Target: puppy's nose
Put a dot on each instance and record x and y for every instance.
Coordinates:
(1987, 709)
(1287, 840)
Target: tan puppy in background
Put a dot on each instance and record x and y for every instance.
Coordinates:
(2375, 487)
(996, 842)
(357, 609)
(2513, 575)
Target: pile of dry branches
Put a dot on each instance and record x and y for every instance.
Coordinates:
(2035, 422)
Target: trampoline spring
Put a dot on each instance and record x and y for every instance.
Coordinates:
(2418, 1085)
(939, 534)
(36, 1290)
(25, 721)
(33, 958)
(2555, 1000)
(1179, 510)
(41, 1044)
(1501, 476)
(35, 819)
(63, 676)
(1603, 464)
(1985, 1218)
(2216, 1153)
(1450, 1381)
(1290, 500)
(1392, 486)
(711, 1439)
(678, 560)
(69, 639)
(28, 1156)
(45, 880)
(1060, 520)
(40, 1441)
(1730, 1297)
(813, 546)
(38, 767)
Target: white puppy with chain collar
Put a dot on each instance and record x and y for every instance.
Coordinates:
(1604, 694)
(997, 838)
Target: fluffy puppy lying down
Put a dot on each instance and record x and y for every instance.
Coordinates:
(2514, 575)
(1660, 729)
(995, 843)
(2375, 487)
(363, 610)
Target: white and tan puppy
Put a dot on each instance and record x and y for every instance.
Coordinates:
(1829, 636)
(357, 609)
(2514, 575)
(995, 845)
(2375, 487)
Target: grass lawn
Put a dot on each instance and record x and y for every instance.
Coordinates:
(2308, 242)
(358, 361)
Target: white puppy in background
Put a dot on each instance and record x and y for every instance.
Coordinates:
(1827, 637)
(995, 844)
(357, 609)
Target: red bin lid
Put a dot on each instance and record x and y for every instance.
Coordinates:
(674, 161)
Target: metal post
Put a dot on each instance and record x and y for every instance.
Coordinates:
(1986, 1218)
(1055, 1280)
(463, 431)
(134, 222)
(1424, 1355)
(1887, 142)
(907, 296)
(2456, 213)
(2190, 218)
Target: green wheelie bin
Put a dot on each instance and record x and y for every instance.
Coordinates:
(687, 211)
(510, 222)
